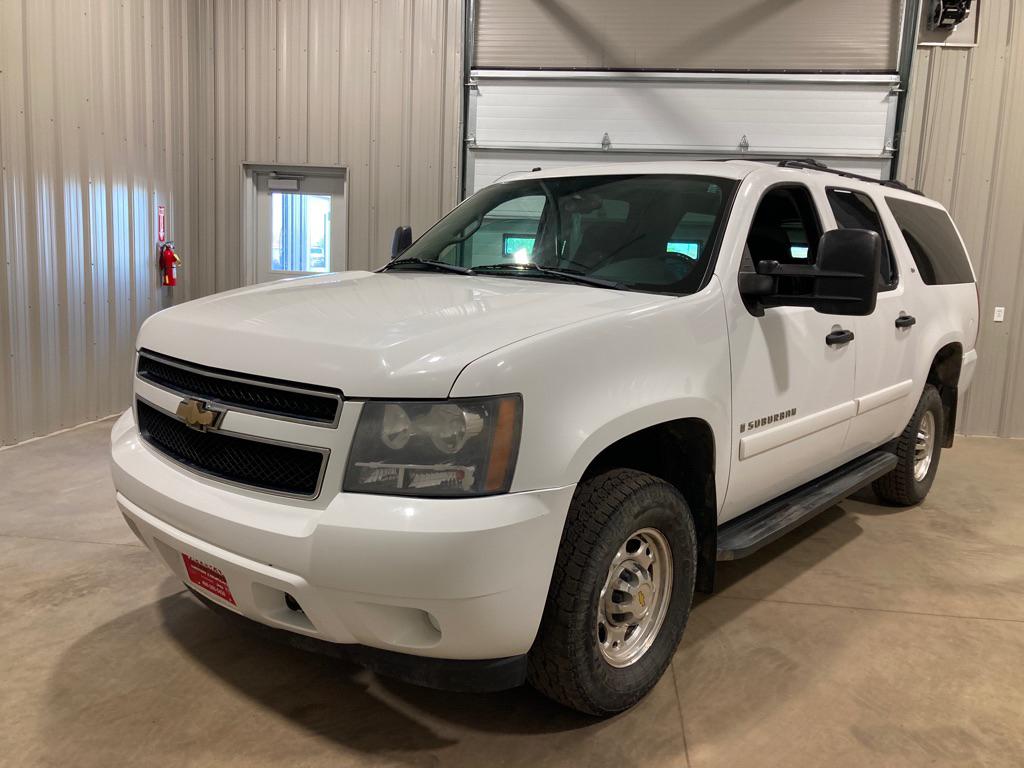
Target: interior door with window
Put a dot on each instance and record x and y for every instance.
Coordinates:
(885, 339)
(300, 225)
(792, 389)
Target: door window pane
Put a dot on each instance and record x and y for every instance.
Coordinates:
(854, 210)
(785, 227)
(786, 230)
(301, 232)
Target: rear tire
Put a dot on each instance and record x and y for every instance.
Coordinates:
(628, 554)
(917, 450)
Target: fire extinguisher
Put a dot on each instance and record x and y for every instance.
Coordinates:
(169, 262)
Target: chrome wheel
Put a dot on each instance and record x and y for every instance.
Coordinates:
(635, 597)
(924, 446)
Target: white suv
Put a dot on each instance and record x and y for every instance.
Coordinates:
(514, 452)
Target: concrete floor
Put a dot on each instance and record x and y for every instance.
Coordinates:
(872, 637)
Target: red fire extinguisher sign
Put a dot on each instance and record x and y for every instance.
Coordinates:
(161, 223)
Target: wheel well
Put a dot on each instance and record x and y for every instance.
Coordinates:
(682, 453)
(944, 375)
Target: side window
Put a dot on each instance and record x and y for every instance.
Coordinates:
(785, 227)
(507, 233)
(933, 242)
(854, 210)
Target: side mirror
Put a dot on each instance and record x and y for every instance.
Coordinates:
(844, 280)
(401, 241)
(848, 263)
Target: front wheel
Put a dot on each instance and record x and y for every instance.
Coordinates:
(620, 594)
(917, 451)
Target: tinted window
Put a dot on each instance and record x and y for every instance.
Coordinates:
(933, 242)
(854, 210)
(785, 227)
(646, 232)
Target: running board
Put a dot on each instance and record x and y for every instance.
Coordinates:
(749, 532)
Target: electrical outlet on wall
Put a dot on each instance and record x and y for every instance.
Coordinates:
(999, 314)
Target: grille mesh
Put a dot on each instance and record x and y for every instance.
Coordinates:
(249, 462)
(254, 396)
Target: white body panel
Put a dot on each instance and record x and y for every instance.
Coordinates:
(370, 335)
(593, 366)
(595, 381)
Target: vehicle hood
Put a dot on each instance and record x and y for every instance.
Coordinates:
(373, 334)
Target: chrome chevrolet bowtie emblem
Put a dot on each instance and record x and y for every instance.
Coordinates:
(198, 415)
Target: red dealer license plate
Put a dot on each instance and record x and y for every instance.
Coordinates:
(209, 578)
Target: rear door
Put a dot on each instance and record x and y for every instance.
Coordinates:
(886, 340)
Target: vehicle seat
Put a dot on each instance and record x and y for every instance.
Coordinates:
(600, 239)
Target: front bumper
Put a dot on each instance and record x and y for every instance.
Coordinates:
(462, 579)
(465, 676)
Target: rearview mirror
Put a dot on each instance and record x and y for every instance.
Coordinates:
(848, 263)
(401, 241)
(844, 281)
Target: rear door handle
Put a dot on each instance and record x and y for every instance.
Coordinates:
(841, 336)
(905, 321)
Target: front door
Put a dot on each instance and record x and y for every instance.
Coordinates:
(792, 390)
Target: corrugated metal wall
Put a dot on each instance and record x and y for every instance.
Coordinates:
(97, 127)
(810, 35)
(962, 144)
(374, 85)
(108, 108)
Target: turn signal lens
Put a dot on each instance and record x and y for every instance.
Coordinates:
(504, 447)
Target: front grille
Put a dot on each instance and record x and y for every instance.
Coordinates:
(269, 466)
(251, 393)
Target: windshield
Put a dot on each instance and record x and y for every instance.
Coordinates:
(643, 232)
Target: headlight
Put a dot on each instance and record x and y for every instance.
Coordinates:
(443, 448)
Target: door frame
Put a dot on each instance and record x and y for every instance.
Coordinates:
(250, 235)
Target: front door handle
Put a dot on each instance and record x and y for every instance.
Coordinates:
(905, 321)
(840, 336)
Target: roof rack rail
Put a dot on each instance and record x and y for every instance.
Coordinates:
(810, 164)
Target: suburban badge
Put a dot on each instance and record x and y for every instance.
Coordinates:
(766, 420)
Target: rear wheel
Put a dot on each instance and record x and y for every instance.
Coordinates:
(620, 593)
(917, 450)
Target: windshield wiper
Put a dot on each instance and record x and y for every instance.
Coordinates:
(575, 277)
(439, 265)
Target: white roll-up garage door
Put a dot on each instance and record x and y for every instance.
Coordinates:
(518, 120)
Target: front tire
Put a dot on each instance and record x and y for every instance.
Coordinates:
(917, 450)
(620, 593)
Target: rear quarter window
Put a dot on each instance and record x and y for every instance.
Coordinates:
(933, 242)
